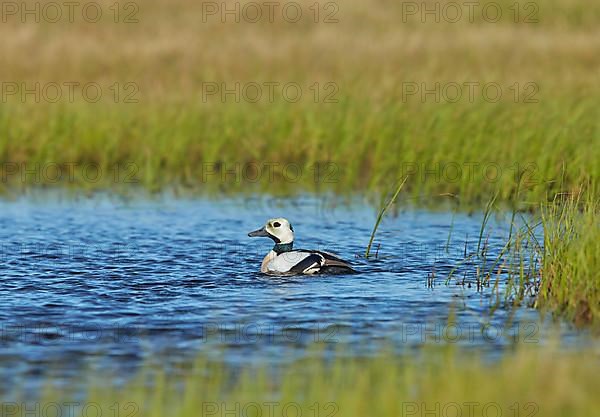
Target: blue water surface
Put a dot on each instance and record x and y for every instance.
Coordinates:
(111, 283)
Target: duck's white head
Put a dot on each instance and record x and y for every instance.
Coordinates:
(280, 230)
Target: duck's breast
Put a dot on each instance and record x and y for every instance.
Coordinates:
(264, 266)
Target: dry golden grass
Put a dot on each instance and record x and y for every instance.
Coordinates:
(171, 51)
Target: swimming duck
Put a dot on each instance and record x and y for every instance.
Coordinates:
(283, 260)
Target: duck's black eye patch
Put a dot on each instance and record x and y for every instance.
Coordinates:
(291, 228)
(276, 224)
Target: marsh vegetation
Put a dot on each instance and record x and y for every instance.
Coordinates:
(478, 114)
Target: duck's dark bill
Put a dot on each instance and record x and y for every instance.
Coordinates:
(259, 233)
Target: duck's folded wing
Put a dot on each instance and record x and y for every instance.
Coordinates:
(310, 264)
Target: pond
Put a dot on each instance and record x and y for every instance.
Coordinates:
(112, 283)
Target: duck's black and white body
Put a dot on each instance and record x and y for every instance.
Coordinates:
(284, 260)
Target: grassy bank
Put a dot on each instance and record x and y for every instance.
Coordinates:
(383, 93)
(469, 151)
(571, 283)
(531, 381)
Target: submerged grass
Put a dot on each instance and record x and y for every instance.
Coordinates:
(532, 380)
(550, 258)
(381, 214)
